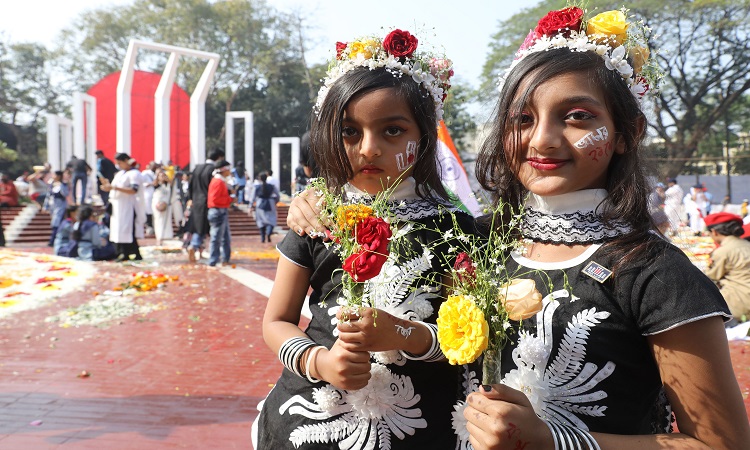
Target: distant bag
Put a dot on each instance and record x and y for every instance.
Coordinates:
(161, 206)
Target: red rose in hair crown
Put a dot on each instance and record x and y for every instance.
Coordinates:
(400, 43)
(557, 21)
(372, 235)
(340, 47)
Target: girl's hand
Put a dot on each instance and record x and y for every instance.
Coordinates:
(344, 369)
(374, 330)
(304, 214)
(504, 419)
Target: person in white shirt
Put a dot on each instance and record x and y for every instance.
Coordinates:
(673, 197)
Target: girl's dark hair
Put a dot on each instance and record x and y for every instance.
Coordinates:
(70, 210)
(731, 228)
(327, 145)
(627, 184)
(84, 213)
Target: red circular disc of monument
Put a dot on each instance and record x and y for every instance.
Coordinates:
(142, 118)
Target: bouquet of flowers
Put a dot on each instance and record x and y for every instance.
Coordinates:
(475, 319)
(359, 234)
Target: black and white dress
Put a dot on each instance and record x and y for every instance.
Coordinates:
(407, 404)
(584, 360)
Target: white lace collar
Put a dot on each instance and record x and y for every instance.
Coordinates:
(570, 219)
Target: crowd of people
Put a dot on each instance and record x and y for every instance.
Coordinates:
(129, 203)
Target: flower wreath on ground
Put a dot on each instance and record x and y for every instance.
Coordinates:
(622, 42)
(398, 54)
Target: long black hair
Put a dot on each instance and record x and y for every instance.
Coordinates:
(327, 145)
(627, 185)
(84, 213)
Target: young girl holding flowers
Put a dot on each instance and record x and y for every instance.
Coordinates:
(631, 336)
(374, 131)
(639, 334)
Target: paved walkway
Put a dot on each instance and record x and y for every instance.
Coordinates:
(188, 374)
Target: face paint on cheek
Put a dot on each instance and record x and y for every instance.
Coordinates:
(403, 163)
(600, 152)
(592, 138)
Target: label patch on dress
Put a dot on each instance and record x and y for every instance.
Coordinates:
(597, 271)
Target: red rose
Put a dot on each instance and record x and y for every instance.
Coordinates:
(340, 47)
(558, 21)
(464, 267)
(400, 43)
(372, 234)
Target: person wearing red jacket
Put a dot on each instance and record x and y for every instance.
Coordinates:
(219, 201)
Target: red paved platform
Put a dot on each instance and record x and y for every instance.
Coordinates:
(187, 376)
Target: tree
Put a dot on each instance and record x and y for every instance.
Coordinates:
(261, 66)
(456, 117)
(26, 87)
(703, 48)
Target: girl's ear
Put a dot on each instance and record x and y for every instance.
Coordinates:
(641, 129)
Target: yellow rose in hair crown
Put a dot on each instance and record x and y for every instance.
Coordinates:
(399, 53)
(620, 41)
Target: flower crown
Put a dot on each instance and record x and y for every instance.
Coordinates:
(397, 53)
(607, 34)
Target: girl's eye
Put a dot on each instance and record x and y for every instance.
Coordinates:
(580, 114)
(525, 118)
(348, 132)
(393, 131)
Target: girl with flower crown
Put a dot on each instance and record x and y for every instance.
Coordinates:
(373, 377)
(630, 341)
(638, 339)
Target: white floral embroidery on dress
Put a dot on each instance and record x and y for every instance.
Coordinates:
(470, 384)
(558, 390)
(392, 291)
(368, 416)
(555, 391)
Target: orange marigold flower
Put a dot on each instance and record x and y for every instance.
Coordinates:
(350, 215)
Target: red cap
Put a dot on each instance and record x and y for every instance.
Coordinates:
(746, 234)
(721, 217)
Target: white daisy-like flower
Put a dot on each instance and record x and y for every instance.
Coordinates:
(459, 421)
(327, 398)
(532, 349)
(370, 402)
(532, 384)
(386, 357)
(422, 308)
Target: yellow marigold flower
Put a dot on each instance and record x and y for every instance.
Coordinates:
(349, 216)
(610, 24)
(463, 332)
